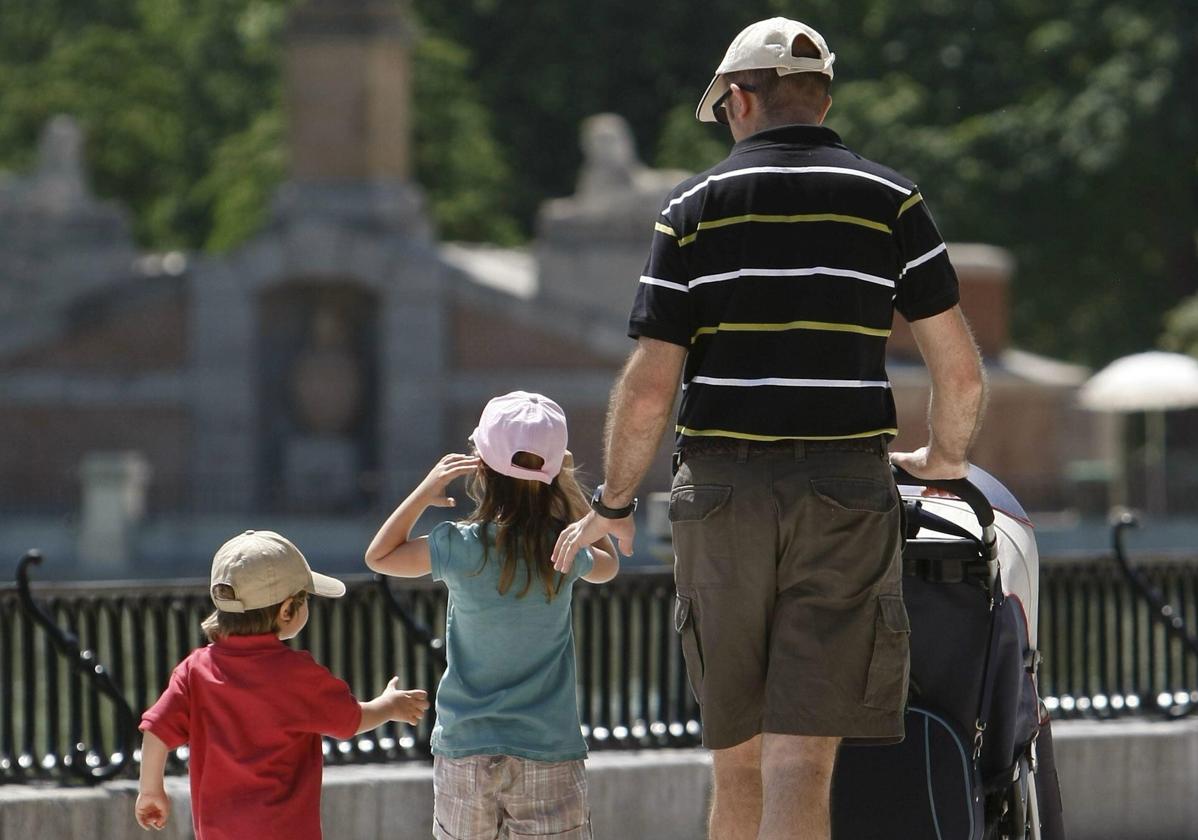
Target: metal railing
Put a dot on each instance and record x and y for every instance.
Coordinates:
(54, 724)
(1105, 654)
(1117, 637)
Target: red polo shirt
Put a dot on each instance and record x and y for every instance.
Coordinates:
(252, 711)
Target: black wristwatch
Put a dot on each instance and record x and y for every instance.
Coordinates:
(607, 512)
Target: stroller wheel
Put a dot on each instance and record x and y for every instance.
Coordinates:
(1015, 823)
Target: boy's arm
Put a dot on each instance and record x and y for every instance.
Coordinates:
(393, 704)
(153, 807)
(393, 551)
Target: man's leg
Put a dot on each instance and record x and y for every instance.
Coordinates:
(736, 799)
(796, 773)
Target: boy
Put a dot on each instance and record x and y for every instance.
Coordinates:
(252, 709)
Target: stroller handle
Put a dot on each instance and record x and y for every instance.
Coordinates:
(966, 491)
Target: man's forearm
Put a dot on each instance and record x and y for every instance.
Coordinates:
(955, 416)
(640, 409)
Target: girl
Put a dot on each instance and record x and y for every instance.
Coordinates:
(507, 745)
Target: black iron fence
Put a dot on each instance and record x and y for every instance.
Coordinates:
(1105, 654)
(54, 725)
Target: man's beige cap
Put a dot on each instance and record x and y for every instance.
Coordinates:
(766, 45)
(265, 569)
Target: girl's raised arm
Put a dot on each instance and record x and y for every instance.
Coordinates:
(393, 551)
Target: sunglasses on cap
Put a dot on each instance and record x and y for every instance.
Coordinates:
(720, 107)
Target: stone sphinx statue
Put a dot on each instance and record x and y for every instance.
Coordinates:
(616, 192)
(591, 246)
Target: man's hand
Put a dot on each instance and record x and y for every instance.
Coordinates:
(923, 465)
(153, 809)
(590, 529)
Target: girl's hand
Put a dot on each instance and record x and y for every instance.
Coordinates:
(432, 489)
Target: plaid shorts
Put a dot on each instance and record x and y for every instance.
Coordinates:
(484, 797)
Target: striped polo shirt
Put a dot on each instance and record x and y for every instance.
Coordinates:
(779, 270)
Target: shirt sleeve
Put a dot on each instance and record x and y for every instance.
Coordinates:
(440, 540)
(584, 561)
(927, 282)
(170, 717)
(662, 308)
(326, 705)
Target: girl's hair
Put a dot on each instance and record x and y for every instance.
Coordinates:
(524, 517)
(221, 624)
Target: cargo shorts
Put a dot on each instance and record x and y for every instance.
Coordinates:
(487, 797)
(789, 589)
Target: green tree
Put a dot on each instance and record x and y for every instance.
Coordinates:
(157, 85)
(457, 160)
(1181, 327)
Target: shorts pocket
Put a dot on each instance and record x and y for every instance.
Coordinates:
(686, 623)
(859, 495)
(455, 777)
(703, 528)
(886, 685)
(696, 502)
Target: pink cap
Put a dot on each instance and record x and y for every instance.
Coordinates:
(522, 422)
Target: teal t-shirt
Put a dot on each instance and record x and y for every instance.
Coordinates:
(510, 686)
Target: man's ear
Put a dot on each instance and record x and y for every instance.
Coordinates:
(824, 113)
(744, 99)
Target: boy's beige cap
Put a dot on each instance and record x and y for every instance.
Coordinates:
(265, 569)
(766, 45)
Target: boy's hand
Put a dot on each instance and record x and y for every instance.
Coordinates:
(152, 810)
(406, 706)
(432, 489)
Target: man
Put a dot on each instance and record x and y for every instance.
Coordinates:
(770, 289)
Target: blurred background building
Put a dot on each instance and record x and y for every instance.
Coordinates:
(151, 404)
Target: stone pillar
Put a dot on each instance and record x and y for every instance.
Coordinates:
(347, 89)
(114, 500)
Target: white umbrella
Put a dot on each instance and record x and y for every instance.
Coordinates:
(1153, 382)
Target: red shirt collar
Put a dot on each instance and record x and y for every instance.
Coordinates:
(259, 641)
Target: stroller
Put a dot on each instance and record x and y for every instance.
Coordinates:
(977, 760)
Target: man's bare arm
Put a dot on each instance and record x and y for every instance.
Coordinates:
(958, 396)
(640, 408)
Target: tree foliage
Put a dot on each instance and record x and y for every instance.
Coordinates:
(1067, 132)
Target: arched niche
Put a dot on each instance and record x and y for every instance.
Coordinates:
(317, 384)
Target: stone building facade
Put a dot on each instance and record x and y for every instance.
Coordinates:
(309, 378)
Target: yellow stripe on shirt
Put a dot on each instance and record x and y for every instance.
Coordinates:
(827, 326)
(909, 203)
(801, 217)
(683, 430)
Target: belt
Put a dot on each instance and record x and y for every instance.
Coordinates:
(743, 449)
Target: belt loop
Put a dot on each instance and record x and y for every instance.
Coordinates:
(742, 451)
(675, 461)
(800, 450)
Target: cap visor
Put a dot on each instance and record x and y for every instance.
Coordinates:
(327, 587)
(714, 91)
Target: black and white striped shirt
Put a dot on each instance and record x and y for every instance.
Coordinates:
(779, 270)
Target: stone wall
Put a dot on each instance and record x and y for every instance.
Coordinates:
(1120, 780)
